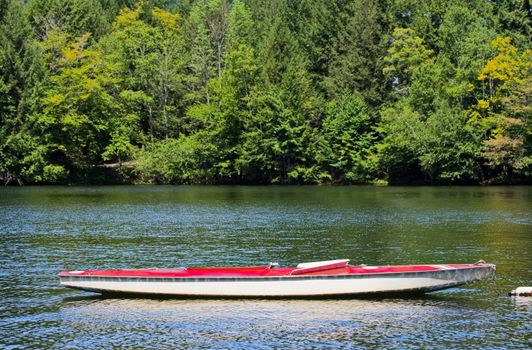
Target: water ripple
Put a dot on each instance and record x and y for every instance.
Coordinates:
(46, 229)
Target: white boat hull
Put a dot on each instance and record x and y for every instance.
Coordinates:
(289, 286)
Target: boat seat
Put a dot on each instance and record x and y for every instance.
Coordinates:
(319, 266)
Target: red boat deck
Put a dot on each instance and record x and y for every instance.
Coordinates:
(262, 271)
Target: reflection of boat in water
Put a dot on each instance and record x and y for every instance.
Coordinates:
(323, 278)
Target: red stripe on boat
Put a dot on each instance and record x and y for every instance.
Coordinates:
(261, 271)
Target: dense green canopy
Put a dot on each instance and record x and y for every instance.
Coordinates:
(265, 91)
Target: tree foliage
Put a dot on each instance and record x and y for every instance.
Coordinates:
(256, 91)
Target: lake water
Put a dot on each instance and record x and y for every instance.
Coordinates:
(44, 230)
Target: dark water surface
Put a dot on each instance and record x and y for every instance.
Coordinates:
(46, 229)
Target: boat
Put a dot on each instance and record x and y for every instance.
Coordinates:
(314, 279)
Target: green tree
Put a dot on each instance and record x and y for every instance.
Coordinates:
(21, 73)
(199, 58)
(515, 20)
(465, 35)
(346, 145)
(174, 161)
(424, 17)
(77, 110)
(442, 147)
(405, 54)
(505, 116)
(220, 117)
(75, 17)
(275, 145)
(147, 61)
(169, 89)
(359, 49)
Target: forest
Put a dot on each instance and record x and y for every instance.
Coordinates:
(265, 92)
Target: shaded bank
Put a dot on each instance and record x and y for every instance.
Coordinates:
(128, 175)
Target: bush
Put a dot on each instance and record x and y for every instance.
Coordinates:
(175, 161)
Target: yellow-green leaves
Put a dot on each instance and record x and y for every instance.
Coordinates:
(509, 65)
(77, 105)
(406, 53)
(167, 19)
(506, 115)
(127, 17)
